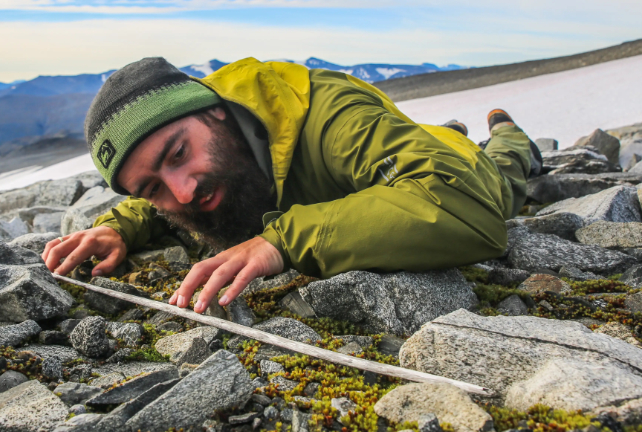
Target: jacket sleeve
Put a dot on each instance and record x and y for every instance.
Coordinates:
(136, 220)
(415, 204)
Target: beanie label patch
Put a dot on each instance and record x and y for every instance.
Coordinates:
(106, 153)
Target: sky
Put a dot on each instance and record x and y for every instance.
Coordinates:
(69, 37)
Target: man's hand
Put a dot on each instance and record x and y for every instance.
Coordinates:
(241, 264)
(103, 242)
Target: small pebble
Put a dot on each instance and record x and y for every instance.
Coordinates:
(271, 413)
(77, 409)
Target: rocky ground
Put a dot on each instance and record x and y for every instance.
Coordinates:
(553, 326)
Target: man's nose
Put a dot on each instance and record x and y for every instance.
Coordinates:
(182, 187)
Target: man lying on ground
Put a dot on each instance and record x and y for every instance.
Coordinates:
(291, 168)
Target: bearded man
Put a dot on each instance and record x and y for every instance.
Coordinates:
(287, 167)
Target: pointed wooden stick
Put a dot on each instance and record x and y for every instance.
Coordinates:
(300, 347)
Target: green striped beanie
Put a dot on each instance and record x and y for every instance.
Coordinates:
(135, 102)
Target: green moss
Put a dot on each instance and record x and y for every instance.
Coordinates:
(150, 337)
(474, 274)
(541, 418)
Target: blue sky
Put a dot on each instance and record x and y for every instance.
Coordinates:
(52, 37)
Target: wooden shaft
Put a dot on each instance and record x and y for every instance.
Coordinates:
(268, 338)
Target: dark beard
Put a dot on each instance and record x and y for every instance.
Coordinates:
(239, 216)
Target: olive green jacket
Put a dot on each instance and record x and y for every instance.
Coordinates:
(360, 186)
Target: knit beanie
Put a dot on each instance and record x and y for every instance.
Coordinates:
(133, 103)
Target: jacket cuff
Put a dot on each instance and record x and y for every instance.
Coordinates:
(272, 236)
(116, 227)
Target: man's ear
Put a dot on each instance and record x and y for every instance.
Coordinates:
(219, 113)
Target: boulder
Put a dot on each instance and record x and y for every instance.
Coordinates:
(10, 379)
(64, 353)
(62, 193)
(396, 303)
(73, 393)
(89, 337)
(546, 144)
(577, 274)
(52, 368)
(606, 144)
(557, 187)
(91, 179)
(617, 204)
(107, 304)
(560, 224)
(129, 369)
(290, 329)
(633, 278)
(188, 347)
(30, 407)
(93, 203)
(496, 352)
(27, 289)
(85, 422)
(578, 161)
(502, 276)
(612, 235)
(240, 313)
(48, 222)
(630, 142)
(175, 254)
(533, 252)
(573, 385)
(512, 306)
(618, 331)
(541, 283)
(450, 404)
(129, 333)
(14, 335)
(219, 383)
(133, 388)
(269, 367)
(13, 229)
(34, 241)
(295, 304)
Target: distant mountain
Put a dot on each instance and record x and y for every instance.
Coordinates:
(50, 105)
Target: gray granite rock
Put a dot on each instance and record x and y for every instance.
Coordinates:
(81, 423)
(617, 204)
(391, 344)
(133, 388)
(362, 341)
(606, 144)
(351, 348)
(269, 367)
(501, 276)
(52, 337)
(579, 160)
(263, 283)
(240, 313)
(512, 306)
(73, 393)
(110, 305)
(300, 421)
(27, 289)
(63, 192)
(344, 406)
(132, 368)
(14, 335)
(633, 276)
(577, 274)
(546, 144)
(295, 304)
(219, 383)
(396, 303)
(89, 337)
(283, 383)
(52, 368)
(450, 404)
(630, 141)
(176, 254)
(560, 224)
(14, 228)
(34, 242)
(289, 328)
(557, 187)
(48, 222)
(532, 251)
(545, 283)
(30, 407)
(10, 379)
(612, 235)
(130, 333)
(91, 179)
(573, 385)
(93, 203)
(68, 325)
(188, 347)
(496, 352)
(64, 353)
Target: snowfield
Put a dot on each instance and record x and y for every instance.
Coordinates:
(564, 105)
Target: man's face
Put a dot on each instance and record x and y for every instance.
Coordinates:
(202, 177)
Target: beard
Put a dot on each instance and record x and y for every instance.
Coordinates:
(239, 215)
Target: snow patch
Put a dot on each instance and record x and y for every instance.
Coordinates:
(387, 73)
(205, 68)
(30, 175)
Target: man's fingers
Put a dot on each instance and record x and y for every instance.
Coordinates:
(58, 252)
(197, 275)
(48, 247)
(245, 276)
(77, 256)
(218, 280)
(107, 265)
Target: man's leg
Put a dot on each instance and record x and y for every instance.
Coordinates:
(510, 148)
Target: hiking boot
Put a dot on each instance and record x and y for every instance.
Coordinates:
(536, 160)
(458, 126)
(499, 116)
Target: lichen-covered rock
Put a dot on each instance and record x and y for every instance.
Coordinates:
(495, 352)
(30, 407)
(618, 331)
(219, 383)
(89, 337)
(573, 385)
(561, 224)
(616, 204)
(52, 368)
(89, 206)
(541, 283)
(107, 304)
(34, 241)
(188, 347)
(129, 333)
(133, 388)
(532, 251)
(396, 303)
(269, 367)
(73, 393)
(64, 353)
(612, 235)
(14, 335)
(450, 404)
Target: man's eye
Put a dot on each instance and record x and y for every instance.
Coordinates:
(180, 153)
(153, 190)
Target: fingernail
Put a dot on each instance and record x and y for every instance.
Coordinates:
(182, 301)
(198, 305)
(98, 273)
(223, 300)
(173, 297)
